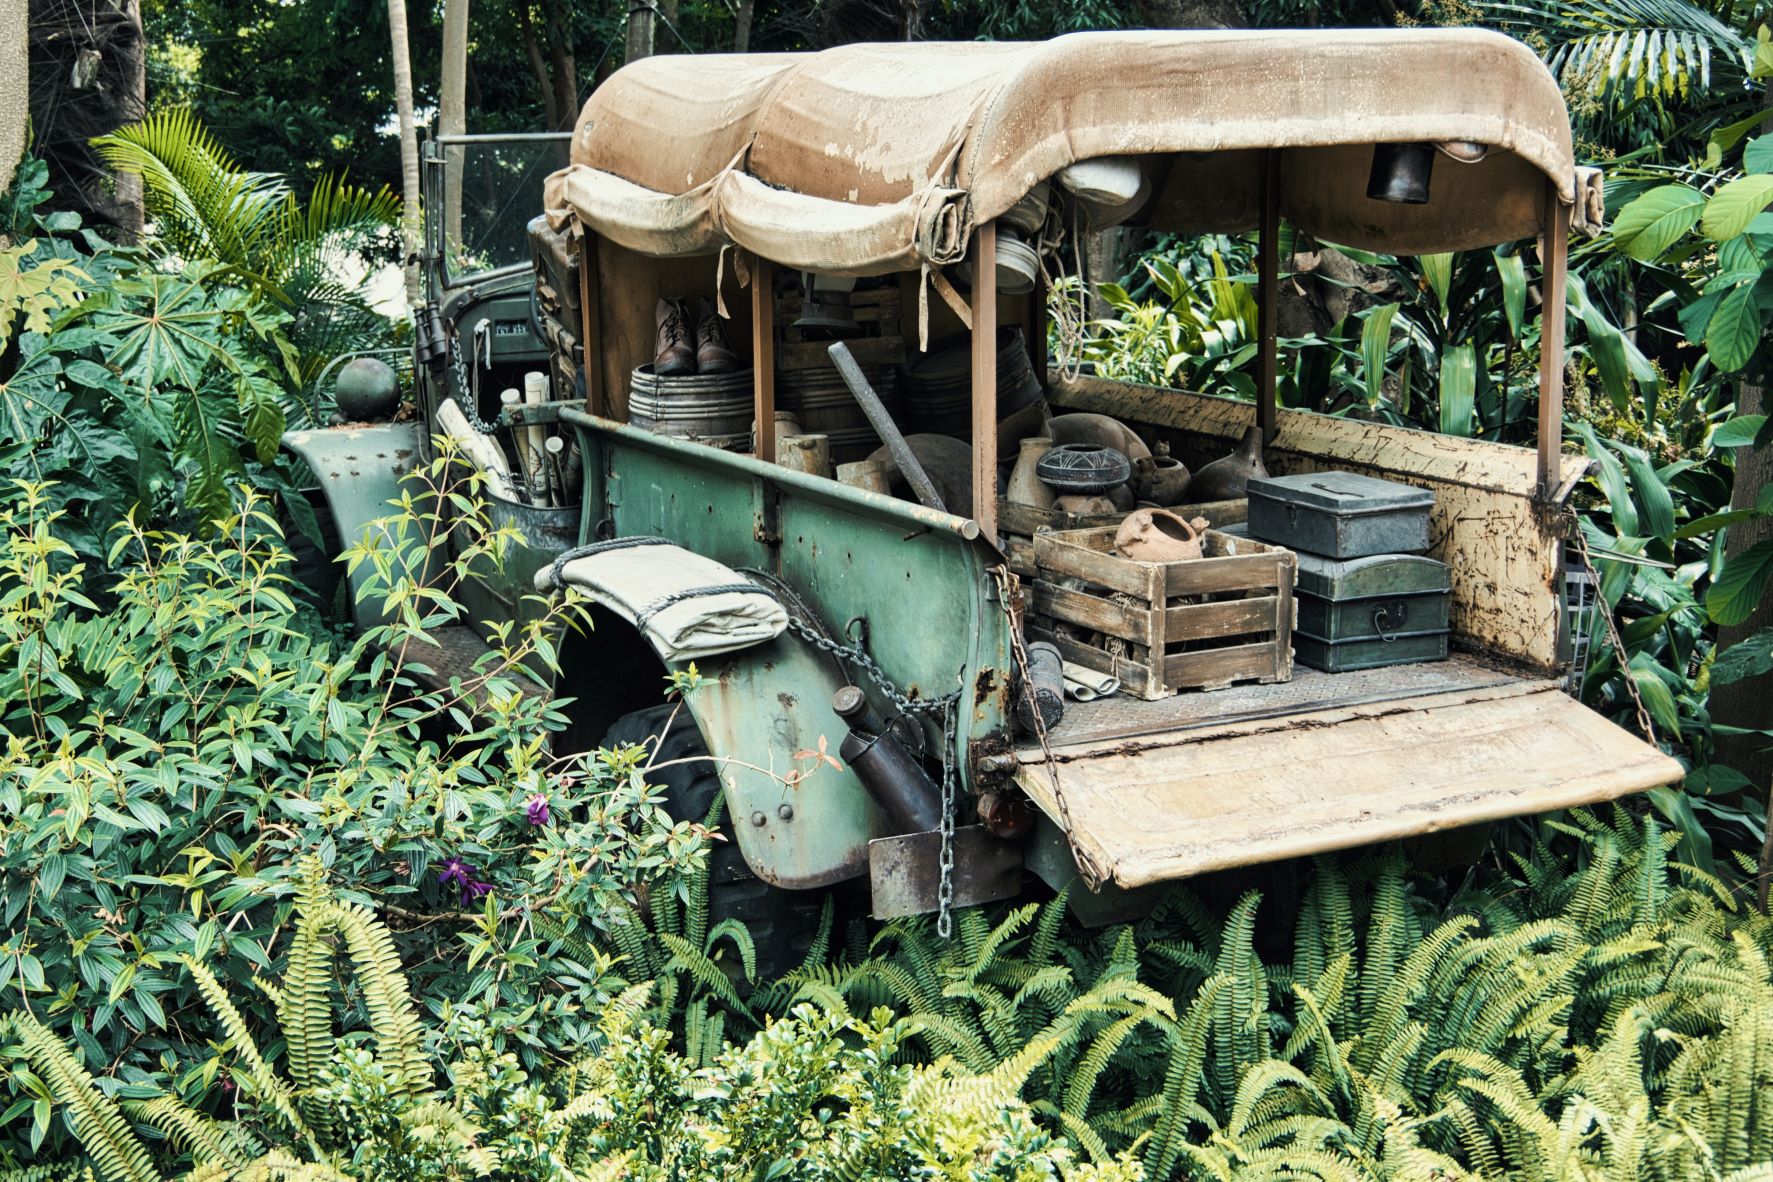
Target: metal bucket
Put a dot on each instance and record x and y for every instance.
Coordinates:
(711, 408)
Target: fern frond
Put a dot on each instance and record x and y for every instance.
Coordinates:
(115, 1150)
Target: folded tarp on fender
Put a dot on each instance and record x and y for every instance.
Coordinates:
(688, 606)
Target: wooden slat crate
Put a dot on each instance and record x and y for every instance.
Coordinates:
(1165, 626)
(1018, 523)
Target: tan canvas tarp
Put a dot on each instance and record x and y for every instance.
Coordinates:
(874, 158)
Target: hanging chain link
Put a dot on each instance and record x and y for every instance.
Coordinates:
(1606, 613)
(1006, 590)
(467, 397)
(945, 710)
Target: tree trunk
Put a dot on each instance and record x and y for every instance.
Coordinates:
(1745, 703)
(640, 30)
(452, 107)
(410, 226)
(742, 25)
(538, 65)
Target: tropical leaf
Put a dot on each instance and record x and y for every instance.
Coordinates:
(1654, 222)
(1733, 207)
(1736, 592)
(1458, 390)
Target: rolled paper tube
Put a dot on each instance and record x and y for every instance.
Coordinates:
(535, 392)
(1097, 685)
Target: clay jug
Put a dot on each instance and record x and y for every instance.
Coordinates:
(1229, 479)
(1161, 478)
(1026, 488)
(1158, 535)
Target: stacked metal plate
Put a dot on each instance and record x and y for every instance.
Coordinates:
(825, 406)
(714, 409)
(939, 385)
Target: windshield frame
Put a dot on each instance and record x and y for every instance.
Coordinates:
(433, 162)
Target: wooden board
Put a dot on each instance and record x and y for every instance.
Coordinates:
(1489, 525)
(1239, 794)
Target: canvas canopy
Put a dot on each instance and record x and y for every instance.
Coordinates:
(867, 159)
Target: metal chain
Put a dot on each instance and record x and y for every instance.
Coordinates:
(946, 712)
(1606, 613)
(1086, 866)
(465, 396)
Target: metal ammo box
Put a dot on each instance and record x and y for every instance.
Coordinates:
(1339, 514)
(1360, 613)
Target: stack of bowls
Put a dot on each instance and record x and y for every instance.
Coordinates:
(714, 409)
(939, 385)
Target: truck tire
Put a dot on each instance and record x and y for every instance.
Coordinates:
(782, 923)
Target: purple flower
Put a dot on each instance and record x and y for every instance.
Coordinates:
(536, 809)
(460, 874)
(455, 872)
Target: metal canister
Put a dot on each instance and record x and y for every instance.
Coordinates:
(890, 773)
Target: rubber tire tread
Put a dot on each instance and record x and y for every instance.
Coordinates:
(782, 923)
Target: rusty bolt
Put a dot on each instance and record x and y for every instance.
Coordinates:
(785, 811)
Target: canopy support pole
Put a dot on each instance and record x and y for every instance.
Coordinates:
(1267, 294)
(1037, 330)
(985, 380)
(763, 356)
(590, 321)
(1554, 245)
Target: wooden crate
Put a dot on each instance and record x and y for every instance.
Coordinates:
(881, 342)
(1165, 626)
(1018, 523)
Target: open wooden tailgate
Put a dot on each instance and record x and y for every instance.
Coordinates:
(1168, 805)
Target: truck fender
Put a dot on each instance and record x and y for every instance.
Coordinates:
(360, 470)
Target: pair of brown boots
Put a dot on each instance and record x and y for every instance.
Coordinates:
(691, 340)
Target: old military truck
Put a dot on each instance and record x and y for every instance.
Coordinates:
(758, 181)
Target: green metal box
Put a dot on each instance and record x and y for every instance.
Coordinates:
(1361, 613)
(1339, 514)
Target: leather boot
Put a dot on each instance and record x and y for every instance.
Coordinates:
(713, 354)
(676, 356)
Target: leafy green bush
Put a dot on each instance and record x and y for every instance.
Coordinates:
(175, 750)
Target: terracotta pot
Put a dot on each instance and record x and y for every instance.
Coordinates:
(873, 475)
(1229, 479)
(805, 453)
(1158, 535)
(1026, 487)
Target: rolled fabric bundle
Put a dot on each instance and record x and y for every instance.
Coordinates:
(688, 606)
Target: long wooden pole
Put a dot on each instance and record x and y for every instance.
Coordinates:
(763, 356)
(591, 324)
(985, 380)
(1553, 251)
(1268, 295)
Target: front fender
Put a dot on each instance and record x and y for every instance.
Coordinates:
(360, 469)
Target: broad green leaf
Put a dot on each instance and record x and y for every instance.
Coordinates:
(1749, 657)
(1757, 154)
(1458, 390)
(1734, 330)
(1734, 206)
(1739, 431)
(1655, 503)
(1654, 222)
(1736, 593)
(1438, 270)
(1611, 475)
(1375, 346)
(1511, 269)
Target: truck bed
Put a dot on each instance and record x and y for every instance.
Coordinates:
(1123, 716)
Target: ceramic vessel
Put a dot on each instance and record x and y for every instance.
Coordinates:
(1026, 487)
(1158, 535)
(1085, 506)
(1084, 468)
(1083, 427)
(1228, 479)
(1161, 478)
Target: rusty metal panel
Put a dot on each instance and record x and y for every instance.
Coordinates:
(1176, 805)
(905, 873)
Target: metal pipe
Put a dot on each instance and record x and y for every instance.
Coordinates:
(884, 426)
